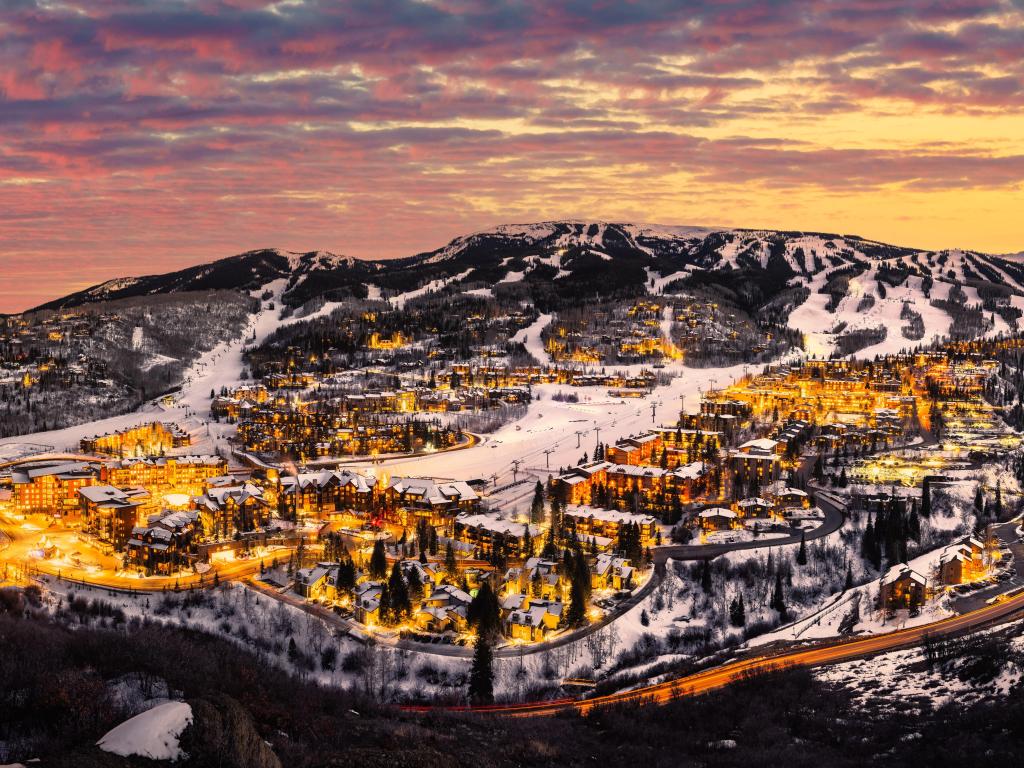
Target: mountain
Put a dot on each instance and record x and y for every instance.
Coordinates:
(567, 261)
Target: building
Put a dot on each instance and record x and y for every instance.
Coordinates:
(533, 620)
(963, 562)
(611, 572)
(110, 514)
(316, 494)
(50, 488)
(164, 543)
(486, 532)
(225, 510)
(902, 588)
(591, 521)
(717, 519)
(151, 439)
(756, 460)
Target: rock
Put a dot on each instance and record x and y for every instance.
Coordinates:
(223, 734)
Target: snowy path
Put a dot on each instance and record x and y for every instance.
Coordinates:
(530, 338)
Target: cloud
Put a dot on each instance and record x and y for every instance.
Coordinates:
(168, 132)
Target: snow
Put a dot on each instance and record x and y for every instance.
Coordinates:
(530, 338)
(401, 299)
(153, 734)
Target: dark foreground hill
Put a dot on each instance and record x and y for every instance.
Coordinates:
(55, 703)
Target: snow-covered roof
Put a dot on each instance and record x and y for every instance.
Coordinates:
(902, 570)
(608, 515)
(717, 512)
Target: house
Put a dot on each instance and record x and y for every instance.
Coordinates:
(962, 562)
(311, 583)
(717, 519)
(367, 603)
(787, 497)
(902, 588)
(610, 572)
(754, 506)
(532, 622)
(446, 609)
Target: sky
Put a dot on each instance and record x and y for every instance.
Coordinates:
(139, 137)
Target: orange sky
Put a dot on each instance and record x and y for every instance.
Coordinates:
(137, 139)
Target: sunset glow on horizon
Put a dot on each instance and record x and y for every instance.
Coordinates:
(138, 138)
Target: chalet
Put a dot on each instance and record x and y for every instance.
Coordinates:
(311, 583)
(367, 603)
(534, 620)
(791, 497)
(754, 506)
(962, 562)
(610, 572)
(902, 588)
(447, 608)
(717, 519)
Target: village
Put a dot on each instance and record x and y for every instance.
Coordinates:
(781, 454)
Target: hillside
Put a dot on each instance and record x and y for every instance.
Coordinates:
(845, 294)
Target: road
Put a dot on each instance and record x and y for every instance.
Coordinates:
(832, 523)
(718, 677)
(976, 599)
(18, 544)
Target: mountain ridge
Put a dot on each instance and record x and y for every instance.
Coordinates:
(577, 256)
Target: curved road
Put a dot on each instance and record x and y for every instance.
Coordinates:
(708, 680)
(833, 522)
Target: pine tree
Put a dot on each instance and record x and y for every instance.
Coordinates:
(481, 676)
(401, 606)
(378, 561)
(705, 577)
(537, 507)
(778, 599)
(926, 499)
(848, 584)
(450, 565)
(801, 556)
(484, 612)
(737, 611)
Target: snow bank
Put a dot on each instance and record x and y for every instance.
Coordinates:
(153, 734)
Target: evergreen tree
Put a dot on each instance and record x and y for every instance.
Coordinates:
(737, 611)
(450, 564)
(378, 561)
(705, 577)
(481, 676)
(778, 599)
(801, 556)
(848, 584)
(926, 499)
(537, 507)
(484, 612)
(400, 606)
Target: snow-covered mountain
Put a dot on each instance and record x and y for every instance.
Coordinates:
(826, 278)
